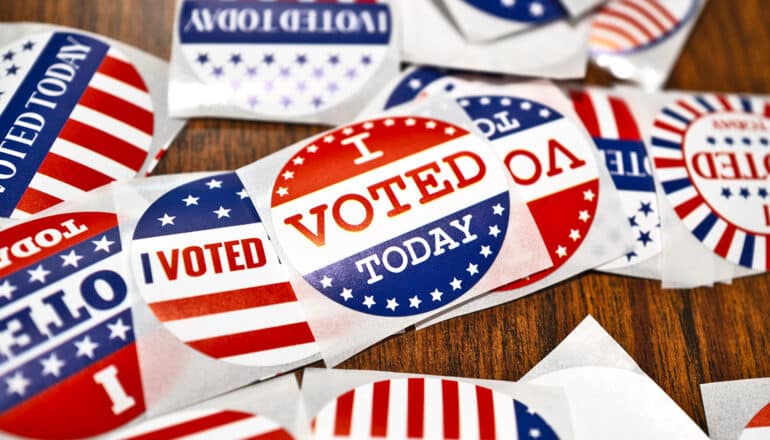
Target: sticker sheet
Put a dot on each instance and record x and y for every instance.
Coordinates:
(78, 111)
(418, 218)
(609, 395)
(370, 404)
(291, 61)
(737, 409)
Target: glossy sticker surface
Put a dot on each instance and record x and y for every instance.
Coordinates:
(758, 427)
(67, 350)
(208, 271)
(75, 115)
(209, 423)
(289, 57)
(711, 156)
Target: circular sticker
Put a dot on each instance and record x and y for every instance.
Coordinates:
(208, 271)
(291, 57)
(758, 427)
(627, 26)
(525, 11)
(67, 346)
(711, 156)
(613, 128)
(418, 408)
(75, 115)
(394, 216)
(208, 423)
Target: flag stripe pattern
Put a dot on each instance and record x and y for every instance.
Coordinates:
(202, 424)
(428, 408)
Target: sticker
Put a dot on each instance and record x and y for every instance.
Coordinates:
(522, 11)
(627, 26)
(711, 156)
(758, 427)
(67, 351)
(428, 408)
(208, 271)
(613, 128)
(291, 57)
(208, 423)
(394, 216)
(75, 115)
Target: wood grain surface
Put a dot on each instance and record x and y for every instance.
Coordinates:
(680, 338)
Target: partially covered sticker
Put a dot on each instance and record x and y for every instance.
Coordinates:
(67, 349)
(758, 427)
(482, 20)
(209, 423)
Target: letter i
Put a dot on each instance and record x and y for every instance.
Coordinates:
(108, 379)
(147, 268)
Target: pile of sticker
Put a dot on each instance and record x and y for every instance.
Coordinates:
(124, 299)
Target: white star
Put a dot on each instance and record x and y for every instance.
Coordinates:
(329, 139)
(282, 191)
(494, 231)
(561, 251)
(588, 195)
(456, 284)
(166, 219)
(534, 433)
(392, 304)
(369, 301)
(17, 384)
(70, 259)
(465, 103)
(544, 113)
(472, 269)
(222, 212)
(450, 131)
(288, 175)
(368, 125)
(242, 194)
(574, 234)
(118, 330)
(326, 281)
(485, 251)
(415, 84)
(86, 347)
(299, 160)
(410, 122)
(526, 105)
(430, 125)
(7, 289)
(414, 302)
(213, 183)
(436, 295)
(584, 216)
(52, 365)
(38, 274)
(190, 200)
(346, 294)
(508, 3)
(536, 9)
(312, 149)
(498, 209)
(485, 101)
(505, 101)
(102, 244)
(347, 131)
(389, 122)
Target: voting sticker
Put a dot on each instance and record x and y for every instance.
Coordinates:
(209, 273)
(711, 157)
(394, 216)
(208, 423)
(520, 11)
(758, 427)
(75, 115)
(288, 58)
(68, 360)
(428, 408)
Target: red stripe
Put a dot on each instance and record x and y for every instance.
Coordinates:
(278, 434)
(72, 173)
(450, 393)
(415, 407)
(122, 71)
(762, 418)
(380, 406)
(668, 127)
(35, 201)
(193, 426)
(627, 128)
(255, 340)
(684, 209)
(724, 243)
(665, 12)
(689, 108)
(661, 162)
(641, 10)
(767, 109)
(585, 109)
(344, 416)
(228, 301)
(117, 108)
(619, 31)
(725, 103)
(103, 143)
(638, 25)
(486, 409)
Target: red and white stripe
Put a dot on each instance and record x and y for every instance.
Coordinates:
(605, 116)
(418, 408)
(107, 137)
(630, 24)
(759, 426)
(208, 424)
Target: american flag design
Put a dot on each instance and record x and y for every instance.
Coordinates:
(68, 361)
(428, 408)
(521, 11)
(758, 427)
(615, 132)
(208, 424)
(627, 26)
(76, 115)
(709, 153)
(289, 57)
(208, 271)
(394, 216)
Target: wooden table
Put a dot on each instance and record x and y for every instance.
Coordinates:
(680, 338)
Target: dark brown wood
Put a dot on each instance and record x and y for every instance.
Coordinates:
(680, 338)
